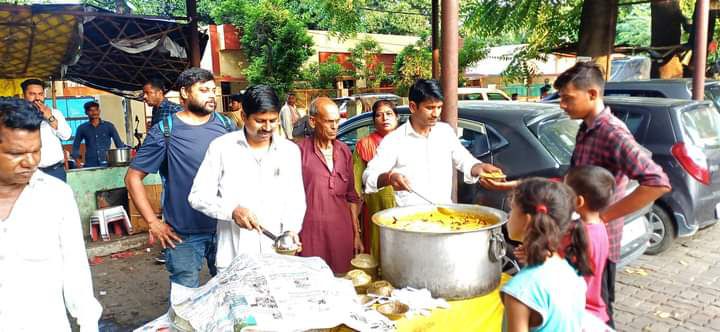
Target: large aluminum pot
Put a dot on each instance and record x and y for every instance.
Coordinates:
(453, 264)
(118, 157)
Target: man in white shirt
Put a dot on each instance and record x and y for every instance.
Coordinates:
(53, 129)
(251, 179)
(422, 154)
(43, 264)
(289, 116)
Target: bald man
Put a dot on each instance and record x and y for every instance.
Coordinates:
(330, 227)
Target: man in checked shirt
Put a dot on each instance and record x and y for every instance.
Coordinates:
(604, 140)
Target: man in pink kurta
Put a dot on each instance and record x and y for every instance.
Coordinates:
(330, 227)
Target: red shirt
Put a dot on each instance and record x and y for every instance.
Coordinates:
(609, 144)
(327, 229)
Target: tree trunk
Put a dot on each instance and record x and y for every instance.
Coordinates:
(666, 28)
(597, 31)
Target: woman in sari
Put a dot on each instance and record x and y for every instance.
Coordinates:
(385, 119)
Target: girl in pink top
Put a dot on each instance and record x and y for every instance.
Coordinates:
(594, 187)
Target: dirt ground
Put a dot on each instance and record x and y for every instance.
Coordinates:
(132, 290)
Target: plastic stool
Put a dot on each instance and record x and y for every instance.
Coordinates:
(102, 218)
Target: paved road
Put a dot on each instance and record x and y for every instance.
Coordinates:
(677, 290)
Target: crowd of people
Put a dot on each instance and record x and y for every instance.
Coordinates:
(226, 179)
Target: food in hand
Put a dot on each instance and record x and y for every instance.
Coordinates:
(495, 175)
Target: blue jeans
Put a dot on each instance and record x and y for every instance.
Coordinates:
(185, 261)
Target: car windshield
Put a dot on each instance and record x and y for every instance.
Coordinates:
(558, 137)
(702, 125)
(470, 96)
(712, 93)
(495, 96)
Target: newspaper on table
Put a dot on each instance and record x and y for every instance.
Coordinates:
(272, 293)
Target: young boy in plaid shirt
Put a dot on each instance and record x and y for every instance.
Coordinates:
(604, 140)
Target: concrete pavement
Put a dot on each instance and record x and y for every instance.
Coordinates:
(677, 290)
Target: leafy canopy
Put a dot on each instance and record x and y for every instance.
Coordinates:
(275, 42)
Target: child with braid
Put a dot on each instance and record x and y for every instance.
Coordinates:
(549, 293)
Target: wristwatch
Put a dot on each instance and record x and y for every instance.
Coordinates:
(51, 119)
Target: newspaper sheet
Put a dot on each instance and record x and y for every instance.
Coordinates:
(272, 293)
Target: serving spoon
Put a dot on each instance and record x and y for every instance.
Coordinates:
(437, 207)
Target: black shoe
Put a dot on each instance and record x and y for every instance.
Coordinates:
(160, 259)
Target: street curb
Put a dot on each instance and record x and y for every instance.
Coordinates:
(105, 248)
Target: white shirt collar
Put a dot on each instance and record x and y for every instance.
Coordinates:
(410, 131)
(242, 140)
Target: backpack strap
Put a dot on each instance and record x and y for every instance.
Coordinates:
(225, 121)
(166, 128)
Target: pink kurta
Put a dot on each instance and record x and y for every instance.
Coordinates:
(327, 229)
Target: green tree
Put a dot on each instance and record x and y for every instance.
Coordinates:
(633, 26)
(542, 25)
(323, 75)
(412, 63)
(275, 42)
(364, 57)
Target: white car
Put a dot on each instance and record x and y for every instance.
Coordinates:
(481, 94)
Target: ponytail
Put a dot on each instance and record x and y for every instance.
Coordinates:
(540, 239)
(577, 253)
(550, 205)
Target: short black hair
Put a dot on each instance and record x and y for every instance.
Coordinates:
(595, 184)
(193, 75)
(156, 83)
(238, 97)
(90, 104)
(424, 90)
(31, 81)
(16, 113)
(583, 75)
(260, 99)
(383, 102)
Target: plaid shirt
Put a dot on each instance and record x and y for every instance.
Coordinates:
(609, 144)
(166, 108)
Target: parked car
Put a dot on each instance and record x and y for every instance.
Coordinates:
(524, 139)
(659, 88)
(349, 105)
(481, 94)
(684, 137)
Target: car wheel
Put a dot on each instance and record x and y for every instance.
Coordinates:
(663, 230)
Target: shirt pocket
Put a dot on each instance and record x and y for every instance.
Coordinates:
(339, 182)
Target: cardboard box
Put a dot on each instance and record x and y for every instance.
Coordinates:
(154, 192)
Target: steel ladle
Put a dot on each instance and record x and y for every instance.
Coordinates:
(439, 208)
(284, 242)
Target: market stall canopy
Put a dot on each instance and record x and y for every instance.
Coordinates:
(88, 45)
(35, 42)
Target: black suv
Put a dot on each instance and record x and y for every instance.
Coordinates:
(680, 88)
(684, 137)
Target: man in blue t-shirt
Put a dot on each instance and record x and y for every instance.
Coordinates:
(97, 135)
(176, 147)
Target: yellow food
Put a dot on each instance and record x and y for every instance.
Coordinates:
(440, 222)
(493, 175)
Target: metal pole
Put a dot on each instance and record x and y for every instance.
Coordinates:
(450, 48)
(128, 121)
(435, 22)
(194, 34)
(701, 27)
(53, 94)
